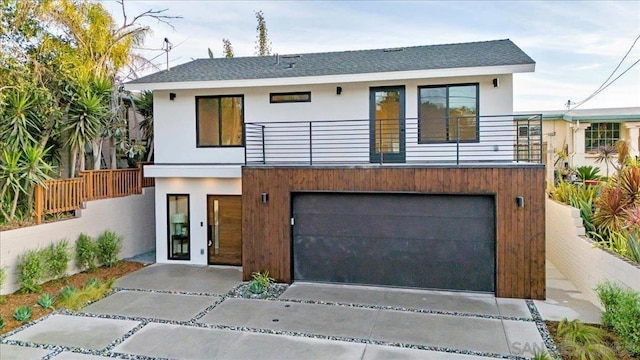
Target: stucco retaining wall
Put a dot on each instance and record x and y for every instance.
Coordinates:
(132, 217)
(577, 257)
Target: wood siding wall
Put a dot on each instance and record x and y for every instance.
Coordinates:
(520, 247)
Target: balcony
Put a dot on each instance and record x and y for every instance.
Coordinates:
(466, 140)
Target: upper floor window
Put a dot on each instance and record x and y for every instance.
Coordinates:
(291, 97)
(448, 113)
(601, 134)
(219, 120)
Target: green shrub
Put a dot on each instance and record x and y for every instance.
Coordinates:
(31, 271)
(263, 278)
(622, 313)
(588, 173)
(23, 313)
(633, 247)
(108, 245)
(92, 282)
(57, 259)
(46, 301)
(66, 293)
(1, 322)
(256, 287)
(76, 300)
(86, 250)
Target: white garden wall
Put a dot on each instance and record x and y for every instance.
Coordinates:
(132, 217)
(577, 257)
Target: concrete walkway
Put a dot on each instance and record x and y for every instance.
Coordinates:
(190, 312)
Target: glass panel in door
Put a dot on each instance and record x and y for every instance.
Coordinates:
(387, 124)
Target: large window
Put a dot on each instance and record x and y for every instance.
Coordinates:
(601, 134)
(448, 113)
(178, 227)
(219, 120)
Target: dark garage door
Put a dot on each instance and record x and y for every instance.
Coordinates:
(425, 241)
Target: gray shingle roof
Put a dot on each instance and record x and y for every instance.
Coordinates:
(475, 54)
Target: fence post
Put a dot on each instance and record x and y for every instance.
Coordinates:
(458, 141)
(39, 199)
(140, 176)
(88, 181)
(110, 184)
(310, 143)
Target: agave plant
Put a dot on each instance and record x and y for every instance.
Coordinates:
(23, 313)
(46, 301)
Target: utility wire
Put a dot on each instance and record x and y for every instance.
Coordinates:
(604, 85)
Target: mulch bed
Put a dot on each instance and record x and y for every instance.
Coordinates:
(13, 301)
(611, 341)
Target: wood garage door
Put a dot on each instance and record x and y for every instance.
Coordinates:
(409, 240)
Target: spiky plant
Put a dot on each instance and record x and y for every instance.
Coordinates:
(610, 209)
(578, 332)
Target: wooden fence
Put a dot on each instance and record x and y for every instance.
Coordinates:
(57, 196)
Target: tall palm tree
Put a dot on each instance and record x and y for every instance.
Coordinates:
(144, 106)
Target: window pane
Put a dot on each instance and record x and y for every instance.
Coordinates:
(178, 226)
(231, 121)
(601, 134)
(208, 121)
(433, 114)
(462, 112)
(290, 97)
(387, 135)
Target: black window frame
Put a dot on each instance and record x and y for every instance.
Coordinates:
(589, 148)
(169, 235)
(272, 101)
(447, 86)
(241, 96)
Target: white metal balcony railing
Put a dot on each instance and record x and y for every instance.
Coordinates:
(463, 140)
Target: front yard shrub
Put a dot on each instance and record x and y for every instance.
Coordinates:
(86, 250)
(622, 313)
(31, 271)
(65, 294)
(108, 245)
(46, 301)
(92, 291)
(57, 259)
(582, 341)
(23, 314)
(263, 278)
(1, 322)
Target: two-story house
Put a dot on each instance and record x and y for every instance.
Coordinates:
(400, 167)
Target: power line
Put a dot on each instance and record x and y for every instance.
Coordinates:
(604, 85)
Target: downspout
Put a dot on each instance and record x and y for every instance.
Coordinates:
(573, 145)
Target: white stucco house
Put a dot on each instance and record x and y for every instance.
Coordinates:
(435, 123)
(583, 131)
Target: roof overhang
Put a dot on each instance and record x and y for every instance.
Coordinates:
(333, 79)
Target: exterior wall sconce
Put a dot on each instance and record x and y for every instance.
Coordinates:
(496, 82)
(520, 201)
(265, 197)
(339, 90)
(172, 96)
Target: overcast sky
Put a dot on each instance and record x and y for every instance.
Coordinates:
(576, 44)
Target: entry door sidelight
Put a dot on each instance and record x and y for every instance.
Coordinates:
(224, 229)
(387, 124)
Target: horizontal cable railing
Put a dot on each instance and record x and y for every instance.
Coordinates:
(459, 140)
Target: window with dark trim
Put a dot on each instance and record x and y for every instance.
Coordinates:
(290, 97)
(219, 120)
(178, 238)
(601, 134)
(448, 113)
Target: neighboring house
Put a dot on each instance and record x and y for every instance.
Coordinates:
(582, 132)
(400, 167)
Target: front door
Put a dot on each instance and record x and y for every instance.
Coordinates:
(386, 124)
(224, 229)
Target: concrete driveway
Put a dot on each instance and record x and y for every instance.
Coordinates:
(190, 312)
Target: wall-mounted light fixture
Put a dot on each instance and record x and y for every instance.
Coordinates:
(496, 82)
(520, 201)
(172, 96)
(265, 197)
(339, 90)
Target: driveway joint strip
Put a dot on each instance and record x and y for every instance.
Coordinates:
(542, 329)
(413, 310)
(191, 293)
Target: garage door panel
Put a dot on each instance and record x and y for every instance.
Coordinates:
(443, 242)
